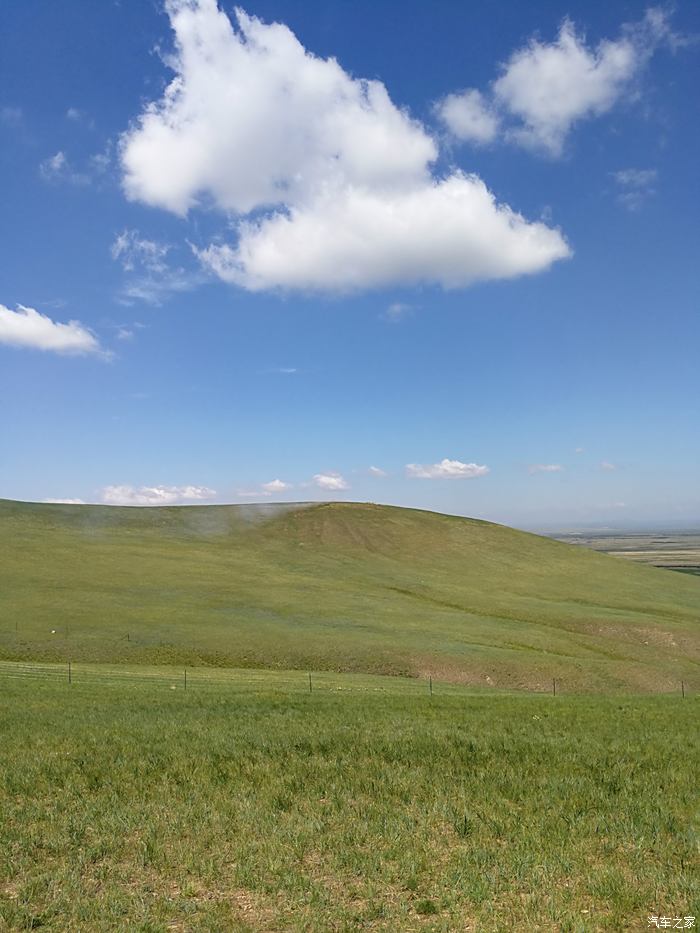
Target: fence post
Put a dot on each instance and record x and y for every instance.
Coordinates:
(185, 678)
(683, 690)
(70, 678)
(554, 686)
(431, 684)
(310, 687)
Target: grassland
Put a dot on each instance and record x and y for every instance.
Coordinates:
(139, 807)
(338, 587)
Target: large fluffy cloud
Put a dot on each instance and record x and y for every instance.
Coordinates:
(27, 327)
(252, 118)
(452, 232)
(547, 87)
(339, 177)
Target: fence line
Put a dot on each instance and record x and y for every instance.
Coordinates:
(299, 681)
(195, 678)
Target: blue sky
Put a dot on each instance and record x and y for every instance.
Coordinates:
(435, 255)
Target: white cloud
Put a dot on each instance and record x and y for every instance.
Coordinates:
(64, 501)
(155, 495)
(546, 88)
(452, 232)
(53, 166)
(397, 310)
(545, 468)
(58, 168)
(252, 118)
(26, 327)
(579, 450)
(74, 114)
(11, 116)
(446, 469)
(332, 481)
(377, 471)
(253, 121)
(635, 186)
(635, 177)
(276, 485)
(150, 278)
(468, 116)
(608, 467)
(135, 251)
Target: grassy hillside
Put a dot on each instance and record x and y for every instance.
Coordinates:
(338, 587)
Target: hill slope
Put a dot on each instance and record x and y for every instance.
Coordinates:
(341, 586)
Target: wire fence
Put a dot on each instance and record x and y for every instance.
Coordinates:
(282, 681)
(198, 678)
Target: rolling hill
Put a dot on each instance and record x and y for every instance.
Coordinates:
(338, 586)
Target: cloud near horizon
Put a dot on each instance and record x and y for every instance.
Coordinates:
(332, 481)
(446, 469)
(155, 495)
(64, 501)
(338, 176)
(28, 328)
(545, 468)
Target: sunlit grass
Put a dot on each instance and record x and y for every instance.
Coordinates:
(131, 805)
(338, 587)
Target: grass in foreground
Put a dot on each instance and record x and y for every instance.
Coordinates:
(144, 808)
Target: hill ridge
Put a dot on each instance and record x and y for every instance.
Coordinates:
(337, 586)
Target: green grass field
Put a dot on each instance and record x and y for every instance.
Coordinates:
(250, 802)
(338, 587)
(134, 806)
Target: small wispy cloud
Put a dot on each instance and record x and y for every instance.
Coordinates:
(76, 115)
(579, 450)
(545, 468)
(57, 168)
(11, 116)
(134, 251)
(397, 311)
(607, 466)
(376, 471)
(635, 186)
(446, 469)
(150, 276)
